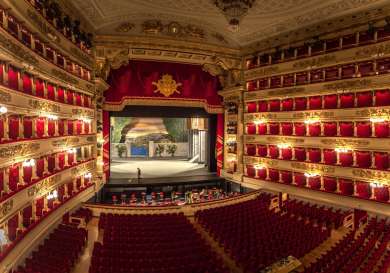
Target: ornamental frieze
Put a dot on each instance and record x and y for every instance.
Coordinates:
(345, 142)
(314, 114)
(83, 112)
(373, 50)
(65, 142)
(81, 56)
(286, 92)
(285, 139)
(47, 184)
(372, 112)
(262, 72)
(91, 138)
(18, 50)
(64, 76)
(384, 177)
(5, 97)
(347, 85)
(313, 167)
(315, 62)
(43, 27)
(19, 150)
(6, 207)
(83, 169)
(44, 106)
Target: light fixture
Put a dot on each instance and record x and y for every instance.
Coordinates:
(28, 163)
(342, 150)
(86, 120)
(52, 117)
(234, 10)
(311, 175)
(311, 120)
(260, 121)
(378, 119)
(88, 175)
(3, 110)
(259, 166)
(72, 151)
(376, 185)
(283, 145)
(52, 195)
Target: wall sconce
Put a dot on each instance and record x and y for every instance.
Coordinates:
(283, 145)
(259, 166)
(88, 175)
(52, 195)
(72, 151)
(312, 120)
(311, 175)
(260, 121)
(28, 163)
(342, 150)
(52, 117)
(3, 109)
(378, 119)
(86, 120)
(376, 185)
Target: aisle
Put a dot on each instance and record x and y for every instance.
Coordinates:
(85, 259)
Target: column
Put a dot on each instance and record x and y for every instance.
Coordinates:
(322, 188)
(45, 166)
(21, 127)
(82, 181)
(21, 182)
(66, 195)
(20, 222)
(6, 180)
(66, 159)
(74, 181)
(57, 167)
(45, 127)
(34, 172)
(82, 153)
(56, 128)
(34, 211)
(6, 128)
(45, 207)
(34, 127)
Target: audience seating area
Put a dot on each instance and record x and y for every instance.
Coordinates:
(365, 252)
(317, 214)
(256, 236)
(58, 253)
(152, 243)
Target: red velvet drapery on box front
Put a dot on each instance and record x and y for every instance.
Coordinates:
(133, 84)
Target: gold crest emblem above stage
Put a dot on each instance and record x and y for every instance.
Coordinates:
(166, 85)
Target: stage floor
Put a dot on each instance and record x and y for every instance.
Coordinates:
(127, 169)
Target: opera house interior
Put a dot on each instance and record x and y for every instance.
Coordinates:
(194, 136)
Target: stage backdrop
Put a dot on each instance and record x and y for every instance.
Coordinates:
(162, 84)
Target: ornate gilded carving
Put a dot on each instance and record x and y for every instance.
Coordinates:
(19, 150)
(44, 106)
(5, 97)
(83, 112)
(345, 142)
(315, 61)
(65, 142)
(313, 167)
(373, 175)
(373, 51)
(319, 114)
(348, 85)
(152, 27)
(64, 76)
(47, 184)
(124, 27)
(91, 138)
(81, 56)
(285, 139)
(18, 50)
(372, 112)
(6, 207)
(45, 28)
(286, 92)
(166, 85)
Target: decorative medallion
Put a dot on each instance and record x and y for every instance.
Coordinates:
(18, 50)
(167, 85)
(6, 207)
(152, 27)
(125, 27)
(5, 97)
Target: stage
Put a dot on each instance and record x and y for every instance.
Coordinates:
(126, 169)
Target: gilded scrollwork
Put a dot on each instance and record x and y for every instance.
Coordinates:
(286, 92)
(345, 142)
(66, 142)
(6, 207)
(319, 61)
(43, 27)
(64, 76)
(19, 150)
(382, 177)
(348, 85)
(313, 167)
(18, 50)
(319, 114)
(44, 106)
(286, 139)
(5, 97)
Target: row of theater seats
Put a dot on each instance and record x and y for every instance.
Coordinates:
(359, 129)
(332, 73)
(366, 252)
(152, 243)
(32, 41)
(350, 158)
(361, 189)
(84, 213)
(330, 101)
(256, 236)
(321, 215)
(319, 47)
(58, 253)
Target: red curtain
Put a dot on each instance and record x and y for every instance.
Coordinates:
(330, 184)
(135, 81)
(40, 129)
(251, 149)
(69, 96)
(60, 94)
(39, 88)
(61, 160)
(51, 127)
(27, 127)
(13, 78)
(13, 177)
(12, 227)
(27, 213)
(219, 142)
(50, 92)
(70, 127)
(39, 207)
(262, 150)
(346, 186)
(27, 83)
(106, 145)
(13, 123)
(61, 127)
(27, 174)
(40, 167)
(363, 190)
(79, 127)
(51, 163)
(78, 99)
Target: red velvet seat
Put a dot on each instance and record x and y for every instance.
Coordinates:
(251, 129)
(300, 104)
(314, 182)
(273, 151)
(347, 100)
(363, 129)
(287, 105)
(382, 97)
(300, 154)
(346, 186)
(364, 99)
(330, 101)
(262, 106)
(286, 153)
(251, 149)
(346, 129)
(287, 128)
(315, 102)
(330, 184)
(262, 129)
(300, 129)
(381, 193)
(262, 173)
(261, 150)
(274, 128)
(381, 129)
(314, 129)
(300, 179)
(363, 190)
(363, 159)
(273, 175)
(346, 159)
(251, 107)
(314, 155)
(330, 129)
(330, 156)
